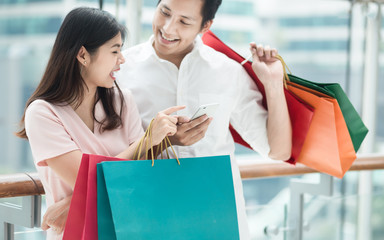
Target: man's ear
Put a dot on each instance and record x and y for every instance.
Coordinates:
(206, 26)
(83, 56)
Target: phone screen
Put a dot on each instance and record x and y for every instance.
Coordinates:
(206, 109)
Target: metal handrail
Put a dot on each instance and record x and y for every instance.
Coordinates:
(280, 169)
(27, 184)
(20, 184)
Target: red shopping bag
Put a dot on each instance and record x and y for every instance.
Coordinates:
(82, 217)
(300, 112)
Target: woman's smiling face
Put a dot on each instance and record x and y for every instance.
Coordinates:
(103, 64)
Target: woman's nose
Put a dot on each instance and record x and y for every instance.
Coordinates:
(121, 59)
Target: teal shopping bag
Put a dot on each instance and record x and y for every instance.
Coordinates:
(356, 128)
(193, 200)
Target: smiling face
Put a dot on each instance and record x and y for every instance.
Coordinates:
(101, 66)
(175, 25)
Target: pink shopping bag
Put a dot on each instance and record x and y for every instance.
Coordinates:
(82, 217)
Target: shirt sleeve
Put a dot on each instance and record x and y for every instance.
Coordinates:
(47, 135)
(249, 117)
(132, 119)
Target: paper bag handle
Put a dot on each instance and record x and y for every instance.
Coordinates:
(285, 68)
(163, 144)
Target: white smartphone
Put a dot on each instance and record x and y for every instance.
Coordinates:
(208, 109)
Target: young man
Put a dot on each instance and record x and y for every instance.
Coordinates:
(175, 68)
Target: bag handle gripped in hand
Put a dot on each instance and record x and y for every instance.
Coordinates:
(285, 68)
(147, 138)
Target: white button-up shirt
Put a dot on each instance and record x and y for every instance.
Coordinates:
(205, 76)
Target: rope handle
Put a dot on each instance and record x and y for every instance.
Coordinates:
(147, 138)
(285, 68)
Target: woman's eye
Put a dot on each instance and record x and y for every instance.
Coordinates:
(185, 23)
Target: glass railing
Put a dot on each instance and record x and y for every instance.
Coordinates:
(29, 234)
(324, 217)
(327, 214)
(267, 221)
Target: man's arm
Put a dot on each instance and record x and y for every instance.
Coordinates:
(270, 72)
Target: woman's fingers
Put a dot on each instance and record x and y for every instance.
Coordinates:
(44, 225)
(171, 110)
(166, 114)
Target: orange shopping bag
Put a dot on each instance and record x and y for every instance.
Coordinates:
(328, 147)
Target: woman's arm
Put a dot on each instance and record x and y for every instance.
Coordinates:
(67, 165)
(56, 215)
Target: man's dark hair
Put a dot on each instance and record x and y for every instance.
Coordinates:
(209, 10)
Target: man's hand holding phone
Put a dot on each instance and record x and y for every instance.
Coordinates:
(192, 130)
(206, 109)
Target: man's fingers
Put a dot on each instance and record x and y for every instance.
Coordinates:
(253, 49)
(202, 124)
(199, 131)
(173, 109)
(196, 122)
(267, 52)
(261, 54)
(183, 119)
(274, 52)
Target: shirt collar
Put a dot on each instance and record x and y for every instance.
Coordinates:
(202, 48)
(149, 51)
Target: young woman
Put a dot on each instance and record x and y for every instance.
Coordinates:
(78, 108)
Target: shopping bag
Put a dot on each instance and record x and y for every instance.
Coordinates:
(328, 147)
(357, 129)
(82, 217)
(193, 200)
(300, 113)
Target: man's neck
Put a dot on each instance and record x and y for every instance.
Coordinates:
(174, 58)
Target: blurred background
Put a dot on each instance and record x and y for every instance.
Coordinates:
(330, 41)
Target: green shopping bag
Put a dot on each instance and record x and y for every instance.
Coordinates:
(356, 128)
(193, 200)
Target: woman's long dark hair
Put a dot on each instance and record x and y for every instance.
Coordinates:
(62, 82)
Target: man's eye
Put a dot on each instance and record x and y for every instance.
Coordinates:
(164, 13)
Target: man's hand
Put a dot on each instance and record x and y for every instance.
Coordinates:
(190, 132)
(56, 215)
(267, 68)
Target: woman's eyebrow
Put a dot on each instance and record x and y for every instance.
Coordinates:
(117, 45)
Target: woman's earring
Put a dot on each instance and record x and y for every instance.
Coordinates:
(85, 62)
